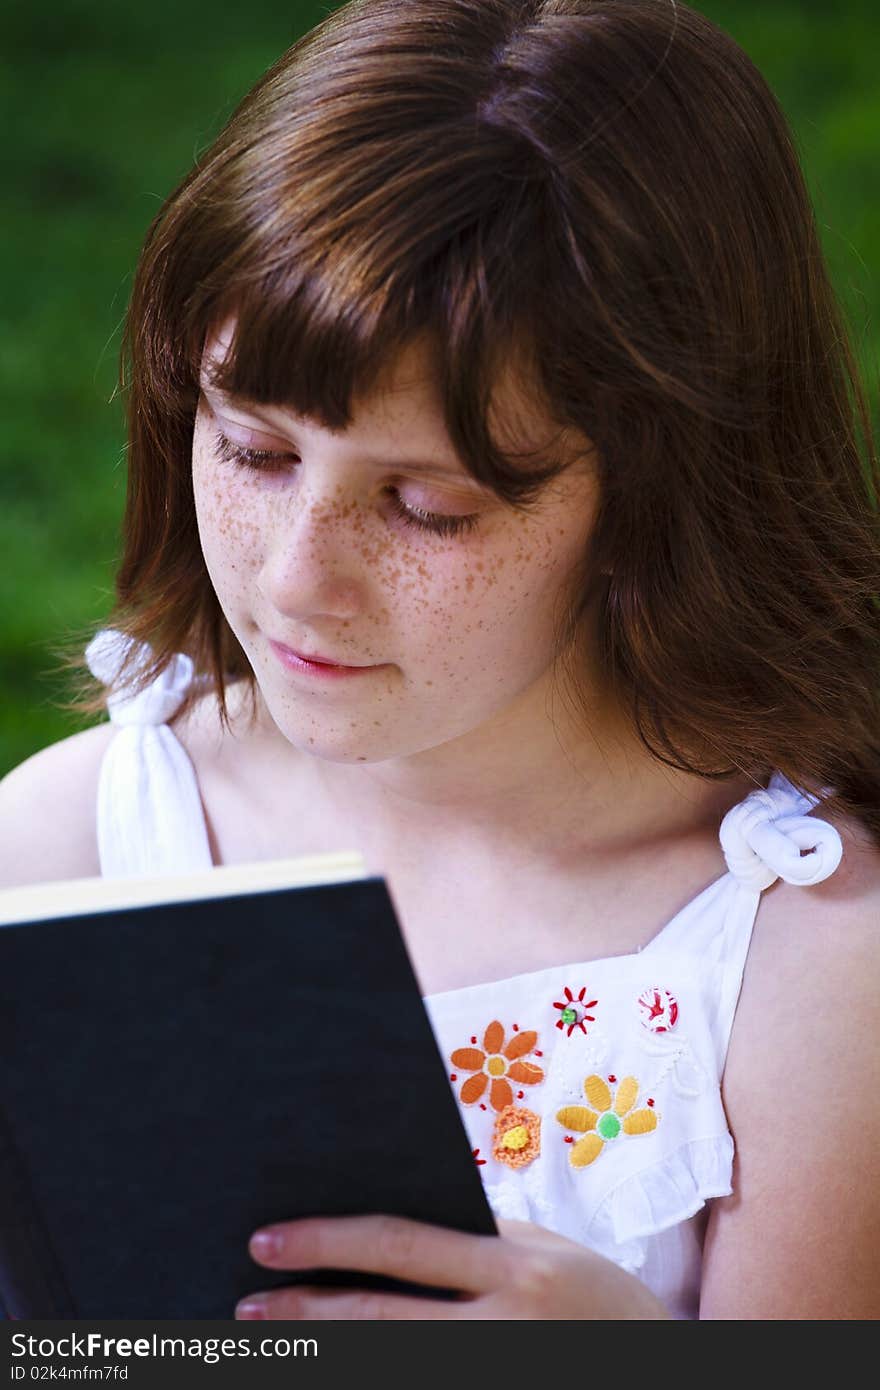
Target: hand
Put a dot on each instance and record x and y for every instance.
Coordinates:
(525, 1272)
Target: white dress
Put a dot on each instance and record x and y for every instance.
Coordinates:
(590, 1091)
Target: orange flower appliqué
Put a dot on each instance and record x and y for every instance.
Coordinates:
(517, 1137)
(496, 1065)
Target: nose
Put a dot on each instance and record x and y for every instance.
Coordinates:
(311, 563)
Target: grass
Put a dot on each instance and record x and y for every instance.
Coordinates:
(105, 107)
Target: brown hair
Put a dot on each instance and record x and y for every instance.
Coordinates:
(610, 186)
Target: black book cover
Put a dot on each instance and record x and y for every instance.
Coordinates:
(175, 1075)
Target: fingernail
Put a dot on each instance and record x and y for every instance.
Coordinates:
(250, 1309)
(265, 1243)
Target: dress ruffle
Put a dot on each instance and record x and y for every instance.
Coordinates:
(667, 1192)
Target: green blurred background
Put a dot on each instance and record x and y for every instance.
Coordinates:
(106, 108)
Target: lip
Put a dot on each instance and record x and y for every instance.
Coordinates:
(315, 664)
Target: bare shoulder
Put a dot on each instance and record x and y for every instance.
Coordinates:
(797, 1239)
(48, 804)
(48, 811)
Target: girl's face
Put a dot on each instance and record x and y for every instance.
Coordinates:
(375, 548)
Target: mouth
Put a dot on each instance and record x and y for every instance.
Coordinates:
(315, 661)
(323, 660)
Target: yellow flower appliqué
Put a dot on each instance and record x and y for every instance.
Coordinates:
(612, 1116)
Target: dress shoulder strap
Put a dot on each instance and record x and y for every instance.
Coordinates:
(766, 836)
(150, 818)
(763, 838)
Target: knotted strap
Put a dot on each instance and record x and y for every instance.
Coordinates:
(159, 701)
(150, 814)
(762, 838)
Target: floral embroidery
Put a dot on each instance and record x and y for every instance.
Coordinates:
(479, 1161)
(661, 1036)
(658, 1010)
(517, 1137)
(612, 1114)
(496, 1066)
(574, 1011)
(677, 1061)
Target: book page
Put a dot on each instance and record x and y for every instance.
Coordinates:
(63, 898)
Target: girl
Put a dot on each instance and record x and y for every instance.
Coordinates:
(497, 509)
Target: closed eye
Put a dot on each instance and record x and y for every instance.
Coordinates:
(269, 461)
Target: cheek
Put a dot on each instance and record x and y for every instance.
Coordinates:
(522, 600)
(498, 604)
(229, 530)
(541, 558)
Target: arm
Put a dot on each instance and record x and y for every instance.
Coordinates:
(798, 1238)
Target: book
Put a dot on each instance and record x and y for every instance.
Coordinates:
(186, 1059)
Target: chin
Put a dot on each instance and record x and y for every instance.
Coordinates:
(332, 745)
(351, 746)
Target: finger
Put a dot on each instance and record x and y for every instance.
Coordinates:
(414, 1250)
(306, 1303)
(540, 1238)
(527, 1231)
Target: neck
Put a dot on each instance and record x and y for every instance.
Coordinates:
(519, 788)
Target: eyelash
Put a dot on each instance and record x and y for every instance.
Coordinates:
(265, 459)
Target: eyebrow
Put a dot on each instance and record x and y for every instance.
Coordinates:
(428, 466)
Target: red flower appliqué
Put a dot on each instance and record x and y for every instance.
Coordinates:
(573, 1010)
(658, 1010)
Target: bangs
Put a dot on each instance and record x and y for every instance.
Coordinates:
(326, 280)
(310, 341)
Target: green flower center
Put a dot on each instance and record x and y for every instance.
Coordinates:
(609, 1126)
(569, 1015)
